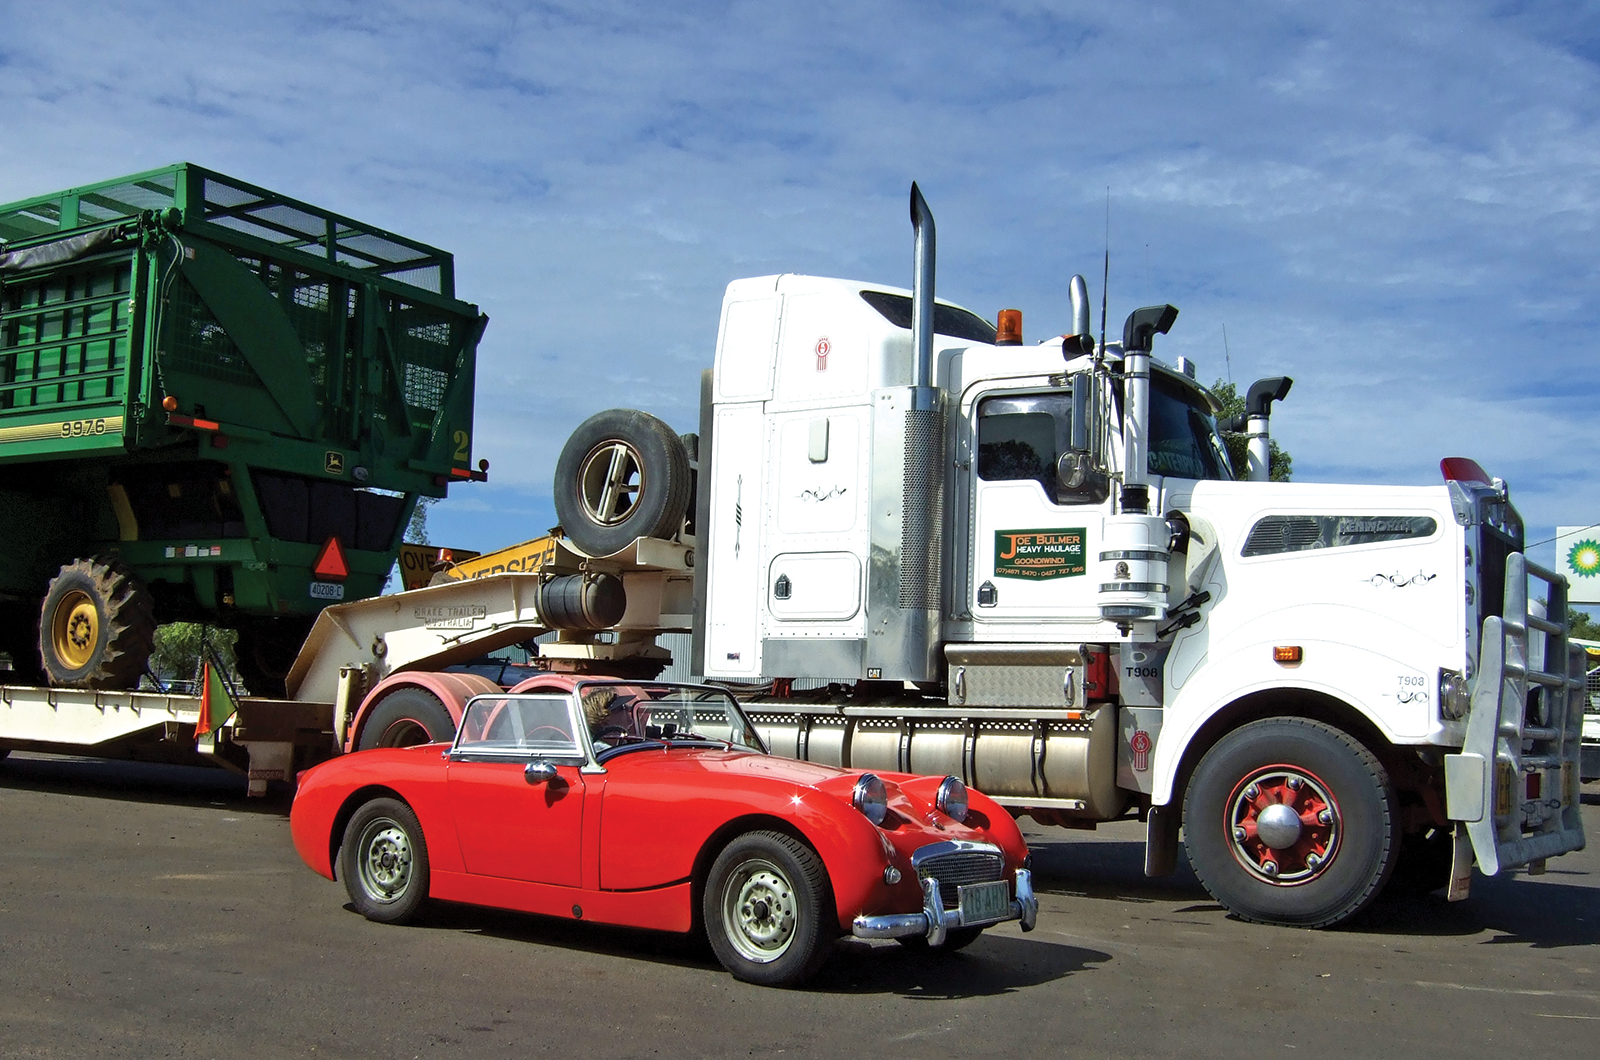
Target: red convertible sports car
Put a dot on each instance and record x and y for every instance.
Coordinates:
(656, 806)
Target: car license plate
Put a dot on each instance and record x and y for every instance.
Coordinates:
(984, 901)
(327, 591)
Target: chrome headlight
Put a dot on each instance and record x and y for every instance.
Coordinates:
(1454, 696)
(871, 798)
(952, 799)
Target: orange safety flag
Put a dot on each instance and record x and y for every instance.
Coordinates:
(216, 704)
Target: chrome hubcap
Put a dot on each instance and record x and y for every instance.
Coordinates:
(385, 860)
(759, 911)
(1278, 826)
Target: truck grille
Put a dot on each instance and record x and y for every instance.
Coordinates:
(961, 867)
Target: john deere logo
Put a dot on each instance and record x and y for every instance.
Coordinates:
(1584, 559)
(333, 463)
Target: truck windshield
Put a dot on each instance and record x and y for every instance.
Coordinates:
(1184, 442)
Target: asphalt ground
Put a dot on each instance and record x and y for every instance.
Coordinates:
(150, 911)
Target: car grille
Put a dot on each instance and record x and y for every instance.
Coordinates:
(961, 867)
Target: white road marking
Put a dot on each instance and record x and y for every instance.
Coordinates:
(1499, 990)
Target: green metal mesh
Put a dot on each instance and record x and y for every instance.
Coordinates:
(238, 207)
(64, 339)
(199, 345)
(425, 344)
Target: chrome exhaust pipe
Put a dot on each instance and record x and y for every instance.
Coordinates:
(1079, 341)
(922, 288)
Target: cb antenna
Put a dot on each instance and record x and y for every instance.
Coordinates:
(1228, 356)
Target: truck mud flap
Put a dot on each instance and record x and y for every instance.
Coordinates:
(1513, 737)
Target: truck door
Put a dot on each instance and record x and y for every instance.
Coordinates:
(1032, 542)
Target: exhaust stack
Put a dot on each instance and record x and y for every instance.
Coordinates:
(1258, 411)
(905, 575)
(1080, 341)
(922, 271)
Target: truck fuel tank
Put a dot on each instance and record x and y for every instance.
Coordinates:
(1058, 759)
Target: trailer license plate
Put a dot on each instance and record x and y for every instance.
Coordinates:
(327, 591)
(984, 901)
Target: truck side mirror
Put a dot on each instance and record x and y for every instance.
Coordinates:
(1072, 470)
(1078, 481)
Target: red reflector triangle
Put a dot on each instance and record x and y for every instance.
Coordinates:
(331, 562)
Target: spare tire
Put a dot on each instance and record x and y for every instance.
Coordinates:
(623, 474)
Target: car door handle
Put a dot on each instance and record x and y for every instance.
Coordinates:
(538, 772)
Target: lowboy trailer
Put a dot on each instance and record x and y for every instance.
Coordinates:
(372, 672)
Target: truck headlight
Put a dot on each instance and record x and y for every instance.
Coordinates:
(952, 799)
(1454, 696)
(871, 798)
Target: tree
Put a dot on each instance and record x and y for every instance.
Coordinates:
(417, 529)
(181, 649)
(1583, 626)
(1280, 465)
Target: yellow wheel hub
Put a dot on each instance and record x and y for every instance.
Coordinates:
(76, 630)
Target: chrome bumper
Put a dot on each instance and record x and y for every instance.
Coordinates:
(935, 920)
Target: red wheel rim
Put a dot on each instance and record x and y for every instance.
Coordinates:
(1283, 825)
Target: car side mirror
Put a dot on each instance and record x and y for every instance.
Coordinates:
(538, 772)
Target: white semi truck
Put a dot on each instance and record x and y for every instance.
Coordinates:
(922, 545)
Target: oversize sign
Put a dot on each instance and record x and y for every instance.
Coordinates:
(417, 563)
(1039, 554)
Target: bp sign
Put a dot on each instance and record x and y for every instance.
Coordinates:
(1578, 557)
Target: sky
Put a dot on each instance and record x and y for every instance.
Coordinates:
(1394, 203)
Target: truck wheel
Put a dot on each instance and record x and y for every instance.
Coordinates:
(1289, 821)
(266, 649)
(405, 717)
(19, 640)
(384, 862)
(767, 909)
(97, 626)
(623, 474)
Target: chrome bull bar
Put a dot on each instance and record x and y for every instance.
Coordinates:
(1508, 821)
(935, 922)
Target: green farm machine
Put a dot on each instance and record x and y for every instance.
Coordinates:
(219, 404)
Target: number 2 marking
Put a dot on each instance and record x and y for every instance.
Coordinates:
(461, 444)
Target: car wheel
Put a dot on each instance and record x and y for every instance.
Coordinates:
(768, 911)
(384, 862)
(1292, 822)
(954, 939)
(405, 717)
(622, 475)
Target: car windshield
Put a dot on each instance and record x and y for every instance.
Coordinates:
(620, 715)
(518, 725)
